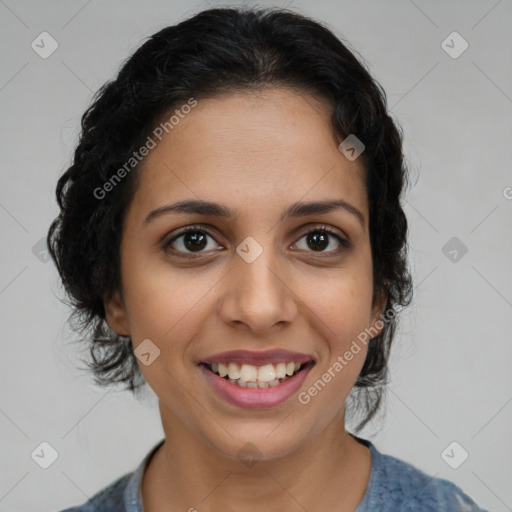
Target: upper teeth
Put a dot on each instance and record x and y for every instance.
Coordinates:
(250, 373)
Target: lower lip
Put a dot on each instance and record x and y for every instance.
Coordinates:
(255, 397)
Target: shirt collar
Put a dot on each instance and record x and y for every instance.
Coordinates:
(133, 491)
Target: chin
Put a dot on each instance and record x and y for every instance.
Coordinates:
(258, 442)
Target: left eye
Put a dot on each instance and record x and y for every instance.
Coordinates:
(195, 240)
(320, 238)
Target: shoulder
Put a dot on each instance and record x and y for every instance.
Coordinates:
(398, 485)
(108, 499)
(122, 495)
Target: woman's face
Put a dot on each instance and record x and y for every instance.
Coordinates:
(260, 280)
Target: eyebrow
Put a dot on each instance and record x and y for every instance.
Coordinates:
(212, 209)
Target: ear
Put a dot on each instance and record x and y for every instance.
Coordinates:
(115, 314)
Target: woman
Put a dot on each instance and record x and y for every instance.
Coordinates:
(231, 233)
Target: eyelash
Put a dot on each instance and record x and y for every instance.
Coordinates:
(197, 228)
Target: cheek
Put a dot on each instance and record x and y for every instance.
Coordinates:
(159, 300)
(344, 308)
(168, 312)
(160, 305)
(345, 303)
(343, 311)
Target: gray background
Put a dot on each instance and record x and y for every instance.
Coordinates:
(451, 378)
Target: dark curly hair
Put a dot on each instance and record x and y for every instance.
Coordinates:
(220, 51)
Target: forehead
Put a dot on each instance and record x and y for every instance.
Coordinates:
(276, 145)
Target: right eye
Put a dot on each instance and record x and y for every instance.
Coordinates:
(193, 239)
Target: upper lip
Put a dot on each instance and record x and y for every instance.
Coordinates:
(258, 358)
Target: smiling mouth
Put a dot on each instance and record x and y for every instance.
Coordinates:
(249, 376)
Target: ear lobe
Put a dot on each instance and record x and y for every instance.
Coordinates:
(115, 314)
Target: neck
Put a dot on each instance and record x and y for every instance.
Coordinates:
(330, 472)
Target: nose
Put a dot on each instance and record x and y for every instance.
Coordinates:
(258, 295)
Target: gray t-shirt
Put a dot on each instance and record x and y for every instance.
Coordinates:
(394, 486)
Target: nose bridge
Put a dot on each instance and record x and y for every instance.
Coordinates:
(258, 295)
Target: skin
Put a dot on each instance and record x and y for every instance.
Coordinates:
(256, 153)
